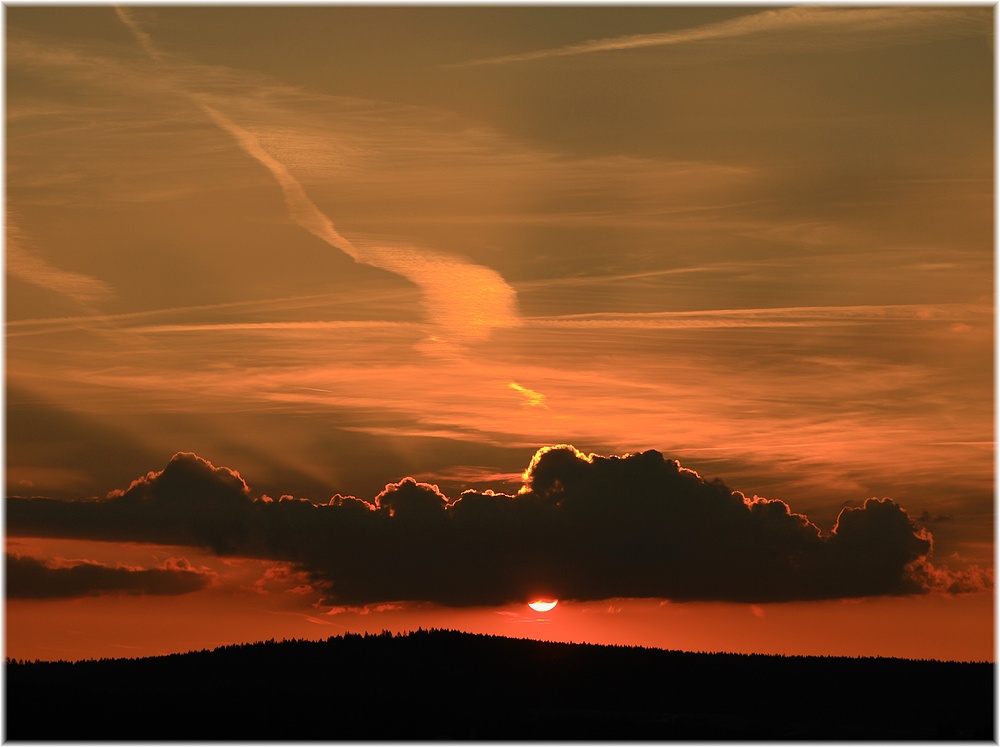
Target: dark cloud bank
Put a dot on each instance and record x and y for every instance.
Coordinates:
(30, 578)
(582, 528)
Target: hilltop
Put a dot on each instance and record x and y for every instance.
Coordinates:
(443, 684)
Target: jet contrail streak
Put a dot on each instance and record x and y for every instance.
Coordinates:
(302, 210)
(906, 23)
(464, 301)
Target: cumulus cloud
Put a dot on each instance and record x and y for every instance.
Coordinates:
(582, 527)
(31, 578)
(190, 501)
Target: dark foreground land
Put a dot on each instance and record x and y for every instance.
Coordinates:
(444, 684)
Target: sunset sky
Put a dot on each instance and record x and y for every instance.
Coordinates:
(265, 263)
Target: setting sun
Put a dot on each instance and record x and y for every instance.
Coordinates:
(543, 605)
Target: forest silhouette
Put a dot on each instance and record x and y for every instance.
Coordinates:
(442, 684)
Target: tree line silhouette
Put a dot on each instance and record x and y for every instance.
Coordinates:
(441, 684)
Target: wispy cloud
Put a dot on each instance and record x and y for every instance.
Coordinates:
(278, 326)
(802, 316)
(463, 300)
(144, 39)
(533, 398)
(192, 318)
(302, 210)
(27, 265)
(404, 166)
(784, 27)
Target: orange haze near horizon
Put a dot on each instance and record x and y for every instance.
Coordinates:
(127, 626)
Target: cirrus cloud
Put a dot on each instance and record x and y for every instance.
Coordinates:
(792, 28)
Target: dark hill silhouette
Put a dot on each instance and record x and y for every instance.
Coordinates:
(442, 684)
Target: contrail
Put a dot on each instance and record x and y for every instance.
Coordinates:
(302, 210)
(140, 35)
(464, 301)
(893, 24)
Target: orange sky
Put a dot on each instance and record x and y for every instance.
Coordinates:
(316, 248)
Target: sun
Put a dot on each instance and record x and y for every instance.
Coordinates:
(543, 605)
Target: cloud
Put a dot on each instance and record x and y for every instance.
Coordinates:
(463, 300)
(785, 28)
(795, 316)
(28, 266)
(190, 500)
(534, 399)
(30, 578)
(410, 500)
(583, 527)
(144, 39)
(281, 578)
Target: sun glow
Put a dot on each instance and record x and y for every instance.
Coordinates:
(543, 605)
